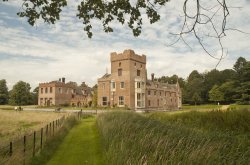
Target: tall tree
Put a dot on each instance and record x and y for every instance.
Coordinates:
(20, 94)
(95, 95)
(215, 94)
(4, 95)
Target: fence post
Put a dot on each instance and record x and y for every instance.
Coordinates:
(11, 149)
(50, 128)
(53, 127)
(24, 148)
(47, 129)
(41, 138)
(34, 143)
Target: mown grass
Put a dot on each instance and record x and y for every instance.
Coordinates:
(81, 146)
(200, 107)
(53, 143)
(131, 138)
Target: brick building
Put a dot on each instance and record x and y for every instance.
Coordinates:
(127, 85)
(62, 93)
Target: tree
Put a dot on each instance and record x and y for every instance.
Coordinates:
(4, 95)
(215, 94)
(196, 98)
(238, 67)
(34, 96)
(95, 95)
(229, 90)
(20, 94)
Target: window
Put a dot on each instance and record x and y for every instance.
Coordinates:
(138, 85)
(141, 66)
(60, 90)
(138, 99)
(135, 63)
(158, 102)
(165, 93)
(160, 93)
(46, 90)
(104, 101)
(138, 73)
(155, 92)
(113, 85)
(103, 85)
(121, 100)
(119, 72)
(122, 84)
(50, 89)
(149, 103)
(120, 64)
(41, 90)
(149, 92)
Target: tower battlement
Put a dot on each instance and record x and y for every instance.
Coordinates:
(127, 55)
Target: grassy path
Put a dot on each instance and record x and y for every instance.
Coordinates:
(81, 146)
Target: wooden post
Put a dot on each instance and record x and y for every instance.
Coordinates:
(53, 127)
(47, 129)
(11, 149)
(50, 128)
(34, 144)
(41, 142)
(24, 148)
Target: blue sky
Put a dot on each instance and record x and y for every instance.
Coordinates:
(47, 52)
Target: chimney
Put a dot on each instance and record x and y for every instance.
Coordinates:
(152, 76)
(59, 79)
(63, 80)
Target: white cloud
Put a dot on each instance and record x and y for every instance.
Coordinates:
(48, 52)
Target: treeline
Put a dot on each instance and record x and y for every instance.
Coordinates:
(226, 86)
(20, 94)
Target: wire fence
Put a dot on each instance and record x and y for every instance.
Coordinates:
(22, 149)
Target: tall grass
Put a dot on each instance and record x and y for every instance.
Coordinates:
(131, 138)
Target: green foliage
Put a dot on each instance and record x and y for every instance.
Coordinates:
(142, 140)
(215, 94)
(95, 96)
(4, 95)
(20, 94)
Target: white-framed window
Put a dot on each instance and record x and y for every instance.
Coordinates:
(112, 85)
(104, 101)
(138, 85)
(121, 100)
(122, 85)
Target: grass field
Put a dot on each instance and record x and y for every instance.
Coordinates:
(201, 107)
(209, 137)
(80, 146)
(14, 123)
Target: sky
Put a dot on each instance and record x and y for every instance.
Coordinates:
(43, 53)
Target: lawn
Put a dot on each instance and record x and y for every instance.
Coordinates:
(81, 146)
(201, 107)
(15, 123)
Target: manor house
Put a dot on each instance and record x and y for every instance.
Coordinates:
(128, 86)
(61, 93)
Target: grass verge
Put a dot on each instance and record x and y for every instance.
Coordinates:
(131, 138)
(80, 146)
(53, 143)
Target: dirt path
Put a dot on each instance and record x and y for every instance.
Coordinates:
(81, 146)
